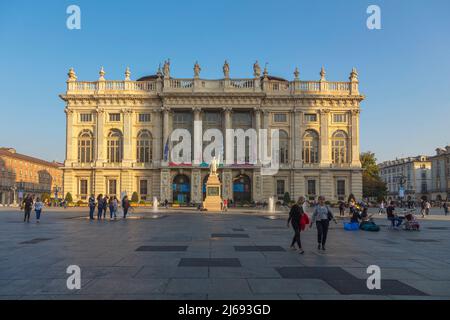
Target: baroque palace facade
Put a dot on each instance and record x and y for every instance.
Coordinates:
(117, 133)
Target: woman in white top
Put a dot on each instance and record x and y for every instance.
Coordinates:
(38, 205)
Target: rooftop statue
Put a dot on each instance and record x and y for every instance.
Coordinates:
(197, 70)
(256, 69)
(226, 70)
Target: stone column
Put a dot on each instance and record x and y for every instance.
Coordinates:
(227, 184)
(297, 130)
(157, 138)
(228, 125)
(196, 186)
(166, 131)
(195, 147)
(256, 187)
(325, 158)
(71, 156)
(100, 146)
(355, 161)
(166, 184)
(257, 114)
(127, 136)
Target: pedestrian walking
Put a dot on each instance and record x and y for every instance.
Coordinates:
(295, 215)
(225, 204)
(445, 206)
(99, 206)
(427, 207)
(105, 205)
(341, 208)
(381, 210)
(115, 204)
(125, 206)
(422, 208)
(91, 207)
(38, 205)
(322, 216)
(27, 205)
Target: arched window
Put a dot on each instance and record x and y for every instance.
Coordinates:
(85, 146)
(144, 147)
(310, 152)
(115, 146)
(339, 152)
(284, 147)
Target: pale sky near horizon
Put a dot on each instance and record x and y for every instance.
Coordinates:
(403, 68)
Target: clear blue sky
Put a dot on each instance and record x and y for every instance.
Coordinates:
(404, 68)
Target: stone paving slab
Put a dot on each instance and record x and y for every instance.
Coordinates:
(111, 268)
(209, 262)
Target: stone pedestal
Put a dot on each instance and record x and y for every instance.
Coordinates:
(213, 200)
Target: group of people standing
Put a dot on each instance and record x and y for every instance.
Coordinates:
(103, 203)
(28, 204)
(321, 217)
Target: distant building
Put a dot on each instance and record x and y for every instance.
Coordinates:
(21, 175)
(412, 174)
(440, 174)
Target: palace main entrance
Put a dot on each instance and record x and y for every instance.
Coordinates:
(181, 189)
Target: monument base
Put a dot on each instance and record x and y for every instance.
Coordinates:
(213, 200)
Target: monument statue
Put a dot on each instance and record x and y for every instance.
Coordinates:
(256, 69)
(213, 166)
(197, 70)
(213, 199)
(166, 68)
(226, 70)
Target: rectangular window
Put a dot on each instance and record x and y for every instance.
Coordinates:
(112, 187)
(144, 117)
(340, 189)
(83, 189)
(280, 189)
(85, 117)
(339, 117)
(114, 117)
(312, 188)
(143, 189)
(310, 117)
(279, 117)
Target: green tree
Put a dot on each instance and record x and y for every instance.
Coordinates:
(135, 197)
(68, 197)
(373, 186)
(45, 197)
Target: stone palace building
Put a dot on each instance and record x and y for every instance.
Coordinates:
(117, 133)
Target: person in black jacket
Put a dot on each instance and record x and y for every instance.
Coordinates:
(295, 215)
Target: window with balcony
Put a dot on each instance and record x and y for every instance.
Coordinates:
(85, 146)
(280, 117)
(115, 146)
(281, 189)
(339, 144)
(83, 191)
(310, 152)
(339, 118)
(310, 117)
(340, 189)
(143, 189)
(114, 117)
(311, 189)
(144, 117)
(144, 147)
(85, 117)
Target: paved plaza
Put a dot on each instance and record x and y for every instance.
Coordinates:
(243, 254)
